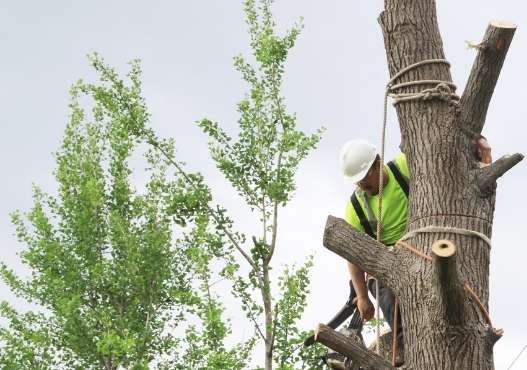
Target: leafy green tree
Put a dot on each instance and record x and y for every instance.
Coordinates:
(260, 164)
(119, 272)
(116, 271)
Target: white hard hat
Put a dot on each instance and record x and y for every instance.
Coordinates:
(356, 158)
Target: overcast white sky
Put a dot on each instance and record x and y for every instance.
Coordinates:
(335, 77)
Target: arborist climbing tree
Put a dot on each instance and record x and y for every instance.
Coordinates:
(361, 164)
(439, 268)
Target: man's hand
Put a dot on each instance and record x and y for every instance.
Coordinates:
(483, 150)
(365, 307)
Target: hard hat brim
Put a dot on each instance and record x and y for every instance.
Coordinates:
(359, 176)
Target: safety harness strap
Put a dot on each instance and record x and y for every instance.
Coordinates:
(401, 179)
(362, 217)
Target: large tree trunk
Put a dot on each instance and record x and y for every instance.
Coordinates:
(445, 327)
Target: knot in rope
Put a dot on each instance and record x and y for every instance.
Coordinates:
(441, 91)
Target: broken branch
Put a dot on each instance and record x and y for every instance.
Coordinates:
(358, 248)
(449, 289)
(488, 175)
(484, 75)
(351, 349)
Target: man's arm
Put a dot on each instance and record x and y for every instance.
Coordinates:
(364, 304)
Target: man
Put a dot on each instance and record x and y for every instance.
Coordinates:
(360, 164)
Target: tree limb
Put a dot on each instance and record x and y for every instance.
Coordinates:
(488, 175)
(278, 167)
(351, 349)
(484, 75)
(494, 334)
(257, 327)
(180, 170)
(274, 230)
(446, 281)
(358, 248)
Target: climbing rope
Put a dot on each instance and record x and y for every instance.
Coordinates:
(444, 90)
(447, 229)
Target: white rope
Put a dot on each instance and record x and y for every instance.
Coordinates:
(443, 90)
(448, 229)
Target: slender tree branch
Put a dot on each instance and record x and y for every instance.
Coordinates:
(278, 166)
(257, 326)
(264, 219)
(361, 250)
(273, 331)
(150, 310)
(349, 348)
(274, 233)
(156, 145)
(484, 75)
(217, 282)
(446, 282)
(152, 141)
(488, 175)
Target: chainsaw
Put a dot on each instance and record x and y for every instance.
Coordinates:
(354, 329)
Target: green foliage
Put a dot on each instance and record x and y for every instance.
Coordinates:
(261, 162)
(289, 352)
(29, 339)
(206, 349)
(106, 265)
(119, 272)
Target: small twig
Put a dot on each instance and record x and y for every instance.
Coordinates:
(257, 327)
(217, 281)
(473, 45)
(293, 351)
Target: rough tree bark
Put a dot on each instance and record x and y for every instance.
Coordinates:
(350, 348)
(444, 325)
